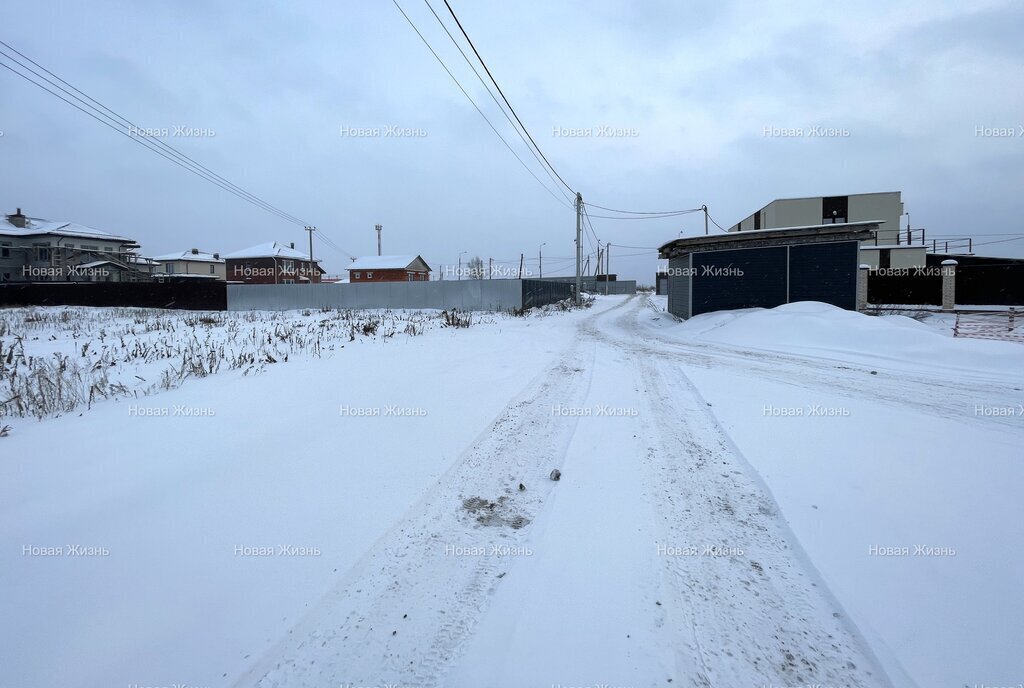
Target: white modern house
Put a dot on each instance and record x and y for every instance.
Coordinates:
(890, 247)
(191, 263)
(36, 250)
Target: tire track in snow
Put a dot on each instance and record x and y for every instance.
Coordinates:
(753, 613)
(402, 615)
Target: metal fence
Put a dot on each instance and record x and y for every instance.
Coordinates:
(467, 295)
(205, 296)
(595, 286)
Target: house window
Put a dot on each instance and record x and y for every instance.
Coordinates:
(757, 220)
(409, 276)
(169, 268)
(834, 209)
(288, 281)
(213, 269)
(369, 275)
(884, 258)
(5, 250)
(359, 275)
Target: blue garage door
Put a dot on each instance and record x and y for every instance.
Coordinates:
(824, 272)
(742, 278)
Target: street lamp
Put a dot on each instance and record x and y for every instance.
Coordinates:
(460, 263)
(540, 258)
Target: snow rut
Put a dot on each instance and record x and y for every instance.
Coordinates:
(735, 584)
(405, 610)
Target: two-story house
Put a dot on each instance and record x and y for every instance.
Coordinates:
(37, 250)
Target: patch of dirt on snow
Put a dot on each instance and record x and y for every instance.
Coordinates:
(496, 513)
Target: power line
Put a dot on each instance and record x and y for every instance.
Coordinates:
(666, 213)
(500, 92)
(477, 107)
(115, 121)
(494, 98)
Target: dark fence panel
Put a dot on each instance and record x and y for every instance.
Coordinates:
(909, 289)
(991, 285)
(192, 296)
(542, 292)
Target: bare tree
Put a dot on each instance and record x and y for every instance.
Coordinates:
(475, 267)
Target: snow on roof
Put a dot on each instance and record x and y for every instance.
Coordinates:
(269, 250)
(385, 263)
(36, 226)
(781, 232)
(200, 257)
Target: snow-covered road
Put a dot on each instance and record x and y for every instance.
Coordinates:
(696, 537)
(657, 558)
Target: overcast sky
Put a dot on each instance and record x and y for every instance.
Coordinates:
(693, 85)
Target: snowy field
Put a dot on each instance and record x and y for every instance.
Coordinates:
(800, 496)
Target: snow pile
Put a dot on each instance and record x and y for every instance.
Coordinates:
(824, 330)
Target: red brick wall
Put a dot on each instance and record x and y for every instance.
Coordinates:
(269, 271)
(394, 275)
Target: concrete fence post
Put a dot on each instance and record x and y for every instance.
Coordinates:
(949, 284)
(862, 287)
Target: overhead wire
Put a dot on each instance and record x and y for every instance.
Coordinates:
(477, 107)
(124, 126)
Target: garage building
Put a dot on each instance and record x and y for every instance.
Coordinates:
(765, 268)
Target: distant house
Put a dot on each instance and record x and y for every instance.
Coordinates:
(37, 250)
(271, 263)
(389, 269)
(192, 263)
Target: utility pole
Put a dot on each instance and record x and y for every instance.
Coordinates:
(378, 228)
(490, 268)
(540, 258)
(312, 265)
(579, 243)
(705, 209)
(460, 264)
(607, 266)
(520, 266)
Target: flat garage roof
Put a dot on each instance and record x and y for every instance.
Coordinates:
(860, 231)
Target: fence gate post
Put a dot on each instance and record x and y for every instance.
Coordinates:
(949, 284)
(862, 287)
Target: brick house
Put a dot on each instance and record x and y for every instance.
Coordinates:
(389, 269)
(271, 263)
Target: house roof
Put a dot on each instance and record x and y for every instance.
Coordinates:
(200, 257)
(389, 263)
(271, 249)
(859, 230)
(36, 227)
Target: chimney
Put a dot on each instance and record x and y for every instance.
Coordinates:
(195, 252)
(293, 244)
(18, 219)
(216, 256)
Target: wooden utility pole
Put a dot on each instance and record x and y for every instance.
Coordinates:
(520, 266)
(705, 209)
(378, 228)
(490, 267)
